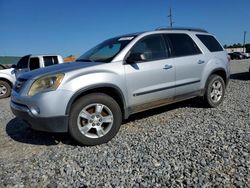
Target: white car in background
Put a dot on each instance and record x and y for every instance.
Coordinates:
(27, 63)
(247, 55)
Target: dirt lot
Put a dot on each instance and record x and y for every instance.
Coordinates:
(178, 145)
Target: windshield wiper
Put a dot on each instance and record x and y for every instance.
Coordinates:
(85, 60)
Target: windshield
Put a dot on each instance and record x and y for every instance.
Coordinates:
(107, 50)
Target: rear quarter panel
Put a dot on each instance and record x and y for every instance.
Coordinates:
(217, 61)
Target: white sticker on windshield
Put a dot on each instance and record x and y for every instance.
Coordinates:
(125, 38)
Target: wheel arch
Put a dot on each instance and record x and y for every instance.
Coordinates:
(8, 81)
(218, 71)
(221, 72)
(109, 89)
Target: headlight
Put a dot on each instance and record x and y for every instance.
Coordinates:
(46, 83)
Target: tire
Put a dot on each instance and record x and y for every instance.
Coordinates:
(94, 119)
(5, 89)
(215, 91)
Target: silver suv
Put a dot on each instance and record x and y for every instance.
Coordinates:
(119, 77)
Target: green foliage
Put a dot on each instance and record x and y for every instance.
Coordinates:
(238, 45)
(9, 59)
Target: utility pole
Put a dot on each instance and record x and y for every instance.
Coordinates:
(170, 18)
(244, 41)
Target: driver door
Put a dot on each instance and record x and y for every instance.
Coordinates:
(150, 82)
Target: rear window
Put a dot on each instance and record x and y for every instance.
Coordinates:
(183, 45)
(50, 60)
(210, 42)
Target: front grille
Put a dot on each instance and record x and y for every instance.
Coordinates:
(19, 84)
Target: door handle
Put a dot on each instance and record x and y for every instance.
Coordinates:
(168, 67)
(201, 62)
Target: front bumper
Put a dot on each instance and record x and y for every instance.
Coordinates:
(47, 124)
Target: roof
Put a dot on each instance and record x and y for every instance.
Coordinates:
(181, 29)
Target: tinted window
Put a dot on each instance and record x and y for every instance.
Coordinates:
(107, 52)
(152, 47)
(50, 60)
(182, 45)
(23, 62)
(34, 63)
(210, 42)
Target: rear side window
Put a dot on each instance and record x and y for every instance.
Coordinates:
(210, 42)
(34, 63)
(152, 47)
(182, 45)
(50, 60)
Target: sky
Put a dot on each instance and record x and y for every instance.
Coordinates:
(68, 27)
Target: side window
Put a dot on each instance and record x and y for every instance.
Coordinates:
(210, 42)
(34, 63)
(152, 47)
(182, 45)
(23, 62)
(50, 60)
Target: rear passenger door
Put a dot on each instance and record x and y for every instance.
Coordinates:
(189, 63)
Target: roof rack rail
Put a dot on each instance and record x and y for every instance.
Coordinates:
(181, 28)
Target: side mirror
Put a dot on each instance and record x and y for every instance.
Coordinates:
(14, 66)
(135, 57)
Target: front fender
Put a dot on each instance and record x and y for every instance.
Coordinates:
(96, 87)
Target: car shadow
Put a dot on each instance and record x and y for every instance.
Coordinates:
(240, 76)
(20, 131)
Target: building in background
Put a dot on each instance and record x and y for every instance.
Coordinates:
(70, 58)
(230, 50)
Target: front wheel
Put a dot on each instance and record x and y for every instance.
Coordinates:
(215, 91)
(94, 119)
(5, 89)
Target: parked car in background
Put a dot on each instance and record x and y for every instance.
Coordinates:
(242, 56)
(235, 56)
(119, 77)
(27, 63)
(247, 55)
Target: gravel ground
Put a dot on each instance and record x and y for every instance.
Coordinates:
(180, 145)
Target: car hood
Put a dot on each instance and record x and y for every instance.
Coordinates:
(57, 69)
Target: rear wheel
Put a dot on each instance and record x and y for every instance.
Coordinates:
(5, 89)
(94, 119)
(215, 91)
